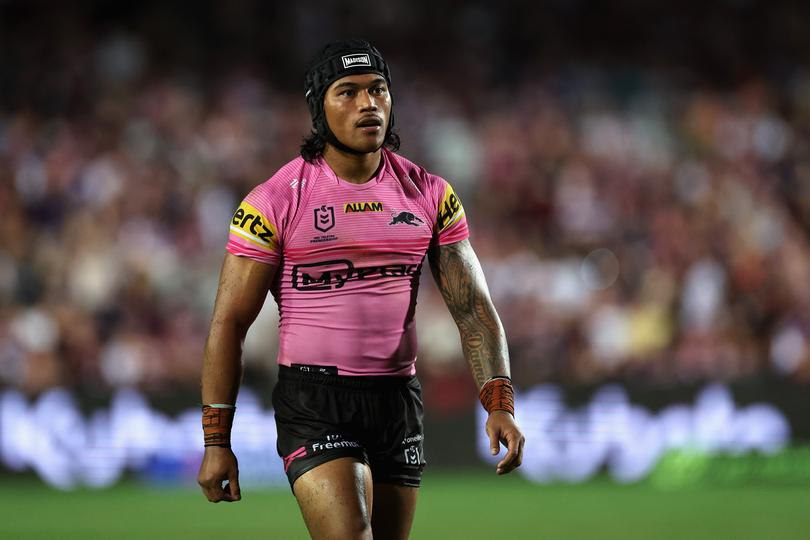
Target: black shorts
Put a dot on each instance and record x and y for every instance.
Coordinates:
(322, 416)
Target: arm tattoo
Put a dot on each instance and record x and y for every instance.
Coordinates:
(461, 281)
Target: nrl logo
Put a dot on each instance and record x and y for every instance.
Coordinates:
(351, 60)
(324, 218)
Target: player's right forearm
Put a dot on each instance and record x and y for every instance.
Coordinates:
(243, 285)
(222, 364)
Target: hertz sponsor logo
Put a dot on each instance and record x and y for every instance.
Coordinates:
(248, 223)
(362, 207)
(450, 209)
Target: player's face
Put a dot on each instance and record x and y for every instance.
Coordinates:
(357, 109)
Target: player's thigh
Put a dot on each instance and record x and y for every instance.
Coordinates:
(393, 511)
(335, 499)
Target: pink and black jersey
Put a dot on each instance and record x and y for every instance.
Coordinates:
(349, 258)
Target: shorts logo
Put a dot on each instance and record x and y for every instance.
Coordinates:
(405, 217)
(412, 455)
(362, 207)
(290, 458)
(351, 60)
(321, 446)
(324, 218)
(249, 224)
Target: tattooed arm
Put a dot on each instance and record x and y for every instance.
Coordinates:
(461, 281)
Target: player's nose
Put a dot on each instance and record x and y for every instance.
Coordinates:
(367, 102)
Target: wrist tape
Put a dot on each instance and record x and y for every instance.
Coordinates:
(216, 423)
(497, 395)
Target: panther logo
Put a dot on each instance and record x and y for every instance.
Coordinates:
(407, 218)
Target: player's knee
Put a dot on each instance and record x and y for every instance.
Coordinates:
(354, 529)
(360, 527)
(363, 530)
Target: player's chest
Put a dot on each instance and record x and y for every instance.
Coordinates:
(377, 217)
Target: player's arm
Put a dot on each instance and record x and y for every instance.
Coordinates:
(243, 286)
(461, 281)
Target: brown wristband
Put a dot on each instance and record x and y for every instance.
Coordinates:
(216, 423)
(497, 395)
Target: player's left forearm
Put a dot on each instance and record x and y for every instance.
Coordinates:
(484, 343)
(462, 283)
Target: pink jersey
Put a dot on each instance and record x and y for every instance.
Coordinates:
(349, 258)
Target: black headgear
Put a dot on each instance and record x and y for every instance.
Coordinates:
(334, 61)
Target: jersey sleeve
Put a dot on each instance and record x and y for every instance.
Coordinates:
(451, 222)
(254, 229)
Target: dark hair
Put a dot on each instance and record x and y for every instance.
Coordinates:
(313, 146)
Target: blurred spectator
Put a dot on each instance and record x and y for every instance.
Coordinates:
(653, 231)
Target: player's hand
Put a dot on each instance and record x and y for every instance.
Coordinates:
(219, 464)
(502, 428)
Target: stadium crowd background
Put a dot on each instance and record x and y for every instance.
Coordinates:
(638, 184)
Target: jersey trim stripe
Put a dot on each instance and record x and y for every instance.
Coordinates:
(247, 236)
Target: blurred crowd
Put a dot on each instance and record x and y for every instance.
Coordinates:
(633, 226)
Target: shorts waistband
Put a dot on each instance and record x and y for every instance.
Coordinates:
(365, 382)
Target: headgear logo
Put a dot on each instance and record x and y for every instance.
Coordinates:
(352, 60)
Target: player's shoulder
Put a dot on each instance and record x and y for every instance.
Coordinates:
(440, 198)
(287, 182)
(408, 171)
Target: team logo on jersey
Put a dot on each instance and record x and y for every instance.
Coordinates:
(324, 218)
(352, 60)
(450, 209)
(248, 223)
(362, 207)
(406, 218)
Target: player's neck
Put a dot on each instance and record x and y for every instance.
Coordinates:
(354, 168)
